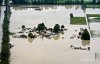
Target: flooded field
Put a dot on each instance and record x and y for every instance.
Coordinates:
(94, 23)
(57, 49)
(95, 33)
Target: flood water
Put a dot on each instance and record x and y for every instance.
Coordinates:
(1, 21)
(49, 15)
(54, 50)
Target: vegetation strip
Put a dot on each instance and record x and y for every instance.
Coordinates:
(78, 20)
(5, 49)
(93, 15)
(54, 2)
(92, 5)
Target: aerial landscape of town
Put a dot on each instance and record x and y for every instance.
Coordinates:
(49, 31)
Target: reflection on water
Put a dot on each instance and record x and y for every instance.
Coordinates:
(56, 37)
(30, 40)
(41, 35)
(85, 42)
(62, 32)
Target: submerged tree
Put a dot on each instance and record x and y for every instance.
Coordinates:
(56, 28)
(71, 15)
(30, 35)
(23, 26)
(85, 35)
(62, 27)
(41, 27)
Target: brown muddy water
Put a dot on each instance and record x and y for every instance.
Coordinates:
(54, 50)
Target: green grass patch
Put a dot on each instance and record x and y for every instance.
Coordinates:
(93, 15)
(78, 20)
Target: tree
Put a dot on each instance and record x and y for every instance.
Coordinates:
(23, 26)
(41, 27)
(85, 35)
(49, 1)
(77, 1)
(62, 27)
(71, 15)
(15, 1)
(1, 1)
(84, 6)
(94, 1)
(56, 28)
(19, 1)
(5, 52)
(30, 35)
(82, 1)
(98, 1)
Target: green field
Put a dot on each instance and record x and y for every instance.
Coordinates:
(78, 21)
(93, 15)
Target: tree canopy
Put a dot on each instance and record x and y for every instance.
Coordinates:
(56, 28)
(85, 35)
(1, 2)
(54, 1)
(41, 27)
